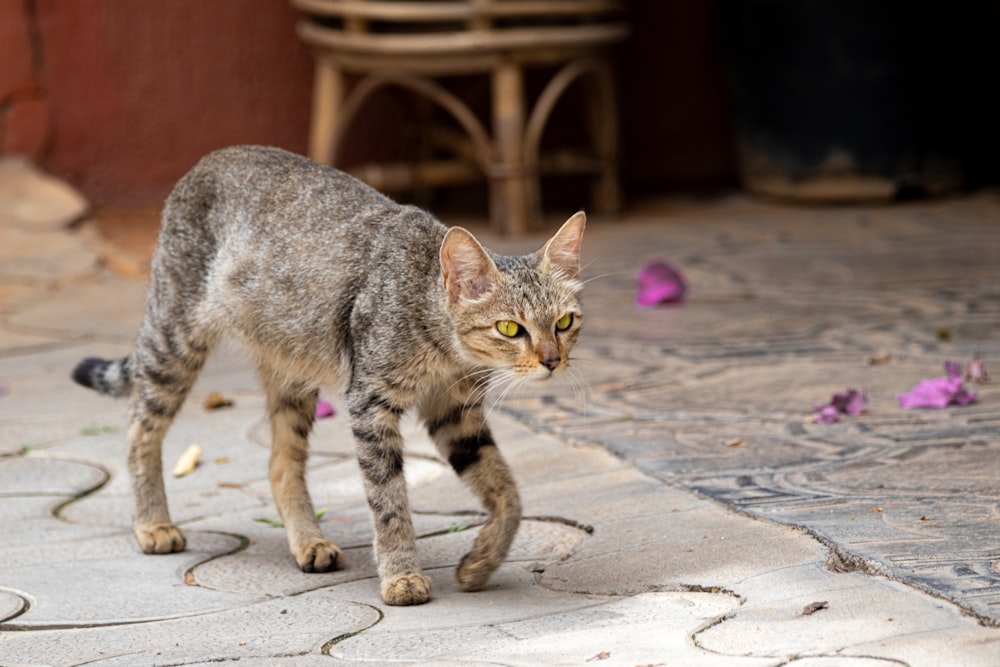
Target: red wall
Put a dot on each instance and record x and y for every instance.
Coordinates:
(127, 95)
(121, 97)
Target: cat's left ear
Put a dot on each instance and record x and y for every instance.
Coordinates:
(466, 268)
(562, 251)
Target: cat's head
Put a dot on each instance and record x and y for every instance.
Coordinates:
(522, 313)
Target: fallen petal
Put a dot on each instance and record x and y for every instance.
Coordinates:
(851, 402)
(826, 414)
(939, 392)
(953, 369)
(934, 393)
(660, 283)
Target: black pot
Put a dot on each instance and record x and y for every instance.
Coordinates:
(855, 100)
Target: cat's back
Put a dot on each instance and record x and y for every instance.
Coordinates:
(279, 204)
(270, 186)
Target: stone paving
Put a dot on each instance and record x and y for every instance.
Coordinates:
(631, 553)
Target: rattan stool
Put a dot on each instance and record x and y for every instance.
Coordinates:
(414, 44)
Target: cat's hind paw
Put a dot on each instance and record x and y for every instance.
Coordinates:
(319, 556)
(159, 538)
(473, 572)
(406, 589)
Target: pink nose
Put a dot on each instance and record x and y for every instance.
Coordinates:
(551, 362)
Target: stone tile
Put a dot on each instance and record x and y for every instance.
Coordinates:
(39, 474)
(156, 588)
(44, 258)
(42, 406)
(257, 631)
(33, 200)
(92, 307)
(859, 619)
(11, 605)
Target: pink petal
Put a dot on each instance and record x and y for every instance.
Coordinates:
(826, 414)
(659, 283)
(324, 409)
(953, 369)
(937, 393)
(851, 402)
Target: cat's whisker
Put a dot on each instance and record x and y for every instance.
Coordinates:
(599, 277)
(581, 391)
(506, 381)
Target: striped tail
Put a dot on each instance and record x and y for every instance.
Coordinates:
(111, 377)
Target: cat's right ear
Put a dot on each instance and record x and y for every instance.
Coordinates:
(467, 271)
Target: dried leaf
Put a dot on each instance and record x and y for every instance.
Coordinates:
(812, 608)
(188, 461)
(278, 523)
(214, 401)
(97, 429)
(735, 442)
(975, 371)
(271, 521)
(879, 358)
(189, 579)
(925, 518)
(603, 655)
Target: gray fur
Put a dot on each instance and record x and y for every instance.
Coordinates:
(326, 281)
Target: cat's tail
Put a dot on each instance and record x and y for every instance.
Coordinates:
(112, 377)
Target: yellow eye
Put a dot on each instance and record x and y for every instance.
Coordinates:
(508, 328)
(564, 322)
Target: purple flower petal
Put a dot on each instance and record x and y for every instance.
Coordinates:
(660, 282)
(826, 414)
(850, 402)
(939, 392)
(324, 409)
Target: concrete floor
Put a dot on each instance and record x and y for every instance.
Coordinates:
(684, 507)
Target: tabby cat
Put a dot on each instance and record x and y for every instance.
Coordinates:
(326, 281)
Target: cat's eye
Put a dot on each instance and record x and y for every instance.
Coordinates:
(564, 322)
(509, 328)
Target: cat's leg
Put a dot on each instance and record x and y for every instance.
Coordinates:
(462, 436)
(292, 408)
(167, 362)
(375, 423)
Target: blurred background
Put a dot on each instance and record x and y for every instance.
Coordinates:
(121, 97)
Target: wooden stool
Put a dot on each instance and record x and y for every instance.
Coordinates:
(410, 44)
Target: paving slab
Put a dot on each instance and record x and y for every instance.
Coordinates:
(786, 307)
(649, 537)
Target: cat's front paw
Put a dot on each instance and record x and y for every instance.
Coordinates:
(406, 589)
(319, 556)
(159, 538)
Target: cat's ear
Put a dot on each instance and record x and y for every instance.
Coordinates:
(467, 271)
(562, 251)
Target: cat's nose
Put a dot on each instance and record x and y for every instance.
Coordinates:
(551, 363)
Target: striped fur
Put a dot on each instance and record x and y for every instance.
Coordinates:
(326, 281)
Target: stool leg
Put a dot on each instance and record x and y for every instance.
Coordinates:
(511, 214)
(603, 108)
(328, 91)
